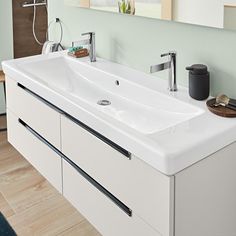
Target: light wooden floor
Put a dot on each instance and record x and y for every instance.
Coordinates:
(30, 204)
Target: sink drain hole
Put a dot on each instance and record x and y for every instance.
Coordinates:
(104, 103)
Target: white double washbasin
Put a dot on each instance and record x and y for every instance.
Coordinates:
(167, 130)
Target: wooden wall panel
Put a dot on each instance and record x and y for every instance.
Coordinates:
(24, 42)
(166, 9)
(85, 3)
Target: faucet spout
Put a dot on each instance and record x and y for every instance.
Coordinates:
(171, 66)
(160, 67)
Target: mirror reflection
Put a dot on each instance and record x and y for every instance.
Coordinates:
(160, 9)
(147, 8)
(213, 13)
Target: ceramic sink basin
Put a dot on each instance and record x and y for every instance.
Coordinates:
(168, 130)
(140, 108)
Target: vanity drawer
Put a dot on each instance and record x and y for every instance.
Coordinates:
(37, 114)
(109, 219)
(144, 190)
(43, 158)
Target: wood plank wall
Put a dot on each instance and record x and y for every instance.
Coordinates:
(24, 43)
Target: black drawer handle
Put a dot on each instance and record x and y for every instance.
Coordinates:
(100, 136)
(120, 204)
(40, 98)
(92, 181)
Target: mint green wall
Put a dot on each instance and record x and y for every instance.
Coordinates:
(6, 39)
(138, 42)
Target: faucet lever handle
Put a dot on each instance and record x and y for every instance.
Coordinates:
(171, 53)
(89, 33)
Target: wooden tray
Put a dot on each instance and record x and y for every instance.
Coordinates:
(220, 111)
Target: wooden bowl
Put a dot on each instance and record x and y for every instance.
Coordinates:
(220, 110)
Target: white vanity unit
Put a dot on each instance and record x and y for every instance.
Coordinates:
(143, 162)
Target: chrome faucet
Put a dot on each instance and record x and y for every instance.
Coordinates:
(91, 43)
(171, 65)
